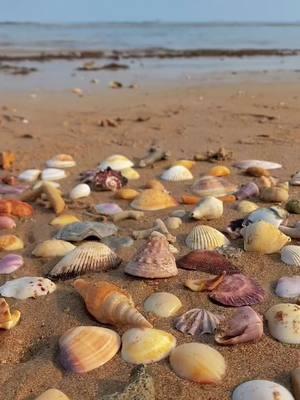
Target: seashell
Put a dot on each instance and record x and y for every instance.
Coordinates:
(61, 161)
(273, 215)
(189, 164)
(53, 248)
(257, 172)
(7, 159)
(189, 199)
(7, 222)
(263, 237)
(230, 198)
(197, 322)
(117, 243)
(204, 284)
(261, 390)
(52, 394)
(130, 174)
(12, 190)
(109, 304)
(247, 191)
(28, 286)
(88, 257)
(10, 263)
(295, 180)
(162, 304)
(290, 255)
(267, 181)
(10, 243)
(292, 232)
(8, 320)
(238, 290)
(219, 170)
(152, 200)
(293, 206)
(208, 208)
(16, 208)
(108, 208)
(116, 162)
(53, 174)
(29, 175)
(126, 194)
(80, 191)
(207, 261)
(213, 186)
(85, 348)
(176, 174)
(63, 220)
(79, 231)
(173, 222)
(284, 322)
(274, 194)
(155, 184)
(198, 362)
(153, 260)
(146, 346)
(244, 326)
(246, 207)
(288, 286)
(204, 237)
(295, 379)
(178, 213)
(245, 164)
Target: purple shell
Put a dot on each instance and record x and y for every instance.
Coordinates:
(247, 191)
(6, 222)
(108, 208)
(13, 190)
(10, 263)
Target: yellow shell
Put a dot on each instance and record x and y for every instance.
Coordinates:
(153, 199)
(53, 248)
(10, 242)
(246, 207)
(185, 163)
(219, 170)
(130, 173)
(284, 322)
(162, 304)
(63, 220)
(276, 194)
(8, 320)
(204, 237)
(126, 194)
(198, 363)
(52, 394)
(145, 346)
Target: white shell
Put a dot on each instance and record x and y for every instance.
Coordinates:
(177, 173)
(116, 162)
(29, 175)
(53, 248)
(79, 191)
(273, 215)
(38, 184)
(204, 237)
(162, 304)
(284, 322)
(29, 286)
(245, 164)
(208, 208)
(290, 255)
(53, 174)
(288, 286)
(261, 390)
(57, 162)
(295, 180)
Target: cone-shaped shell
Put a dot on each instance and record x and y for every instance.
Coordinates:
(85, 348)
(109, 304)
(177, 173)
(52, 394)
(198, 363)
(53, 174)
(261, 390)
(290, 255)
(29, 175)
(116, 162)
(10, 243)
(63, 220)
(284, 322)
(80, 191)
(274, 194)
(130, 173)
(162, 304)
(53, 248)
(61, 161)
(219, 170)
(263, 237)
(213, 186)
(8, 320)
(26, 287)
(197, 322)
(145, 346)
(288, 286)
(88, 257)
(153, 260)
(245, 164)
(10, 263)
(153, 199)
(204, 237)
(208, 208)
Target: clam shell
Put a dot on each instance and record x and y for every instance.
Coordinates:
(10, 243)
(88, 257)
(261, 390)
(284, 322)
(288, 286)
(177, 173)
(130, 174)
(29, 175)
(63, 220)
(10, 263)
(53, 248)
(173, 222)
(198, 362)
(208, 208)
(245, 164)
(204, 237)
(52, 394)
(7, 222)
(108, 208)
(80, 191)
(257, 172)
(272, 215)
(145, 346)
(197, 322)
(85, 348)
(274, 194)
(152, 200)
(53, 174)
(246, 207)
(219, 170)
(116, 162)
(79, 231)
(28, 286)
(189, 164)
(290, 255)
(213, 186)
(162, 304)
(61, 161)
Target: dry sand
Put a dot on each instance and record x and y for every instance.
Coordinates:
(253, 120)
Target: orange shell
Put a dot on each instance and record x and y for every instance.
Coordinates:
(230, 198)
(155, 184)
(126, 194)
(7, 159)
(153, 199)
(16, 208)
(219, 170)
(189, 199)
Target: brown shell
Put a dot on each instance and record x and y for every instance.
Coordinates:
(16, 208)
(257, 172)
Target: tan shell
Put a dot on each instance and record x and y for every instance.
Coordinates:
(284, 322)
(204, 237)
(8, 320)
(274, 194)
(177, 173)
(53, 248)
(162, 304)
(257, 172)
(246, 207)
(52, 394)
(153, 199)
(155, 184)
(10, 243)
(126, 194)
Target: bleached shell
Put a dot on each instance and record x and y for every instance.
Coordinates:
(246, 207)
(295, 180)
(208, 208)
(204, 237)
(213, 186)
(61, 161)
(261, 390)
(88, 257)
(65, 219)
(26, 287)
(173, 222)
(116, 162)
(85, 348)
(29, 175)
(53, 248)
(272, 215)
(245, 164)
(197, 322)
(130, 174)
(10, 243)
(53, 174)
(284, 322)
(108, 208)
(145, 346)
(162, 304)
(288, 286)
(52, 394)
(198, 362)
(290, 255)
(177, 173)
(10, 263)
(80, 191)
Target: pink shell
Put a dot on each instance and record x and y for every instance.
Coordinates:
(6, 222)
(10, 263)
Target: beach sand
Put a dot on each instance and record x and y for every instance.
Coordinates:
(253, 120)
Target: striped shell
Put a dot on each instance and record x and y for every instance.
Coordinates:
(245, 164)
(177, 173)
(204, 237)
(213, 186)
(116, 162)
(53, 248)
(290, 255)
(197, 322)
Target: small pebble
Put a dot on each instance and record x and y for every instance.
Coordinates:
(178, 213)
(173, 222)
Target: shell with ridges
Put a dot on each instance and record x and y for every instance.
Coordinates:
(8, 320)
(53, 248)
(284, 322)
(261, 390)
(52, 394)
(208, 208)
(63, 220)
(219, 170)
(213, 186)
(204, 237)
(162, 304)
(10, 263)
(290, 255)
(61, 161)
(79, 191)
(116, 162)
(197, 322)
(288, 286)
(177, 173)
(28, 286)
(152, 200)
(10, 243)
(29, 175)
(53, 174)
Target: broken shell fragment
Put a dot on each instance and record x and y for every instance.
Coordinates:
(261, 390)
(162, 304)
(284, 322)
(204, 237)
(26, 287)
(208, 208)
(53, 248)
(203, 284)
(197, 322)
(10, 263)
(80, 191)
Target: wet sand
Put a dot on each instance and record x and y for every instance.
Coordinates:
(254, 120)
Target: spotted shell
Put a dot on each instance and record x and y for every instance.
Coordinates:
(79, 231)
(261, 390)
(284, 322)
(204, 237)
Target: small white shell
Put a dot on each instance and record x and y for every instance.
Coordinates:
(177, 173)
(29, 175)
(162, 304)
(261, 390)
(288, 286)
(204, 237)
(53, 248)
(245, 164)
(116, 162)
(29, 286)
(79, 191)
(208, 208)
(290, 255)
(295, 180)
(61, 161)
(53, 174)
(284, 322)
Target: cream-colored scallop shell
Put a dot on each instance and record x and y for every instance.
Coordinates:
(162, 304)
(53, 248)
(284, 322)
(177, 173)
(116, 162)
(290, 255)
(204, 237)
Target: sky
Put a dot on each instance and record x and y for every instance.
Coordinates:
(149, 10)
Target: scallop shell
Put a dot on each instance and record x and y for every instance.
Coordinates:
(82, 230)
(146, 346)
(204, 237)
(126, 194)
(116, 162)
(273, 215)
(198, 362)
(88, 257)
(108, 208)
(197, 322)
(8, 320)
(130, 174)
(177, 173)
(208, 208)
(261, 390)
(28, 286)
(288, 286)
(162, 304)
(53, 174)
(284, 322)
(245, 164)
(85, 348)
(7, 222)
(10, 263)
(152, 200)
(219, 170)
(52, 394)
(53, 248)
(213, 186)
(246, 207)
(63, 220)
(80, 191)
(29, 175)
(153, 260)
(61, 161)
(247, 191)
(290, 255)
(10, 243)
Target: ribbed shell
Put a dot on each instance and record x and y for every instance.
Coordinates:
(261, 390)
(116, 162)
(290, 255)
(177, 173)
(213, 186)
(204, 237)
(197, 322)
(53, 248)
(152, 200)
(245, 164)
(79, 231)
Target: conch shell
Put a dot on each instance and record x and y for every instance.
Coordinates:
(109, 304)
(209, 208)
(8, 320)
